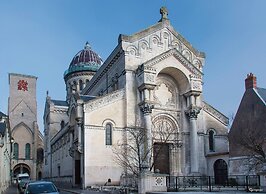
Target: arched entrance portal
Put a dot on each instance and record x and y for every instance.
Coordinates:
(164, 135)
(21, 168)
(220, 172)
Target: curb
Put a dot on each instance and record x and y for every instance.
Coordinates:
(70, 191)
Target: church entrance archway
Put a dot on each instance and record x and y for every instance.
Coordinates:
(21, 168)
(220, 172)
(161, 158)
(164, 134)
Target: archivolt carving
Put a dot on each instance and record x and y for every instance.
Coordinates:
(154, 39)
(132, 50)
(164, 129)
(166, 34)
(187, 54)
(143, 45)
(177, 45)
(197, 64)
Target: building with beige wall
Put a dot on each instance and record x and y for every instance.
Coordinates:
(22, 111)
(5, 153)
(152, 80)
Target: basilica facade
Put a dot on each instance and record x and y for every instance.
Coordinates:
(152, 81)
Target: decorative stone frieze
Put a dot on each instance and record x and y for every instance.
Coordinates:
(104, 100)
(184, 61)
(215, 113)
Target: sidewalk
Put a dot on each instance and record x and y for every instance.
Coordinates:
(80, 191)
(12, 189)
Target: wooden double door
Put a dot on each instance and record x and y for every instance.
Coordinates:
(161, 158)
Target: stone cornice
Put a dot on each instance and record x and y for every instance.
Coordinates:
(174, 52)
(104, 100)
(81, 73)
(110, 61)
(97, 127)
(217, 154)
(215, 113)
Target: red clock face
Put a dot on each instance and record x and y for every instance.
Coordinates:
(23, 85)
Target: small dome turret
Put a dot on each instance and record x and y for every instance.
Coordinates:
(81, 69)
(84, 60)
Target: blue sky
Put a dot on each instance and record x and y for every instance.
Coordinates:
(40, 38)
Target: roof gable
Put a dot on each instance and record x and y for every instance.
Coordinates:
(262, 94)
(161, 38)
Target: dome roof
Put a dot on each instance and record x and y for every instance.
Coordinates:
(84, 60)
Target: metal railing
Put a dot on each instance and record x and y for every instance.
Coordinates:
(211, 183)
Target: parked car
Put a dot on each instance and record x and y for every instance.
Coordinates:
(22, 180)
(38, 187)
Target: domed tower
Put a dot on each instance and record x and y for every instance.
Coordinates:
(81, 69)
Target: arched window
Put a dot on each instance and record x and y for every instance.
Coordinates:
(16, 151)
(62, 124)
(80, 85)
(211, 140)
(108, 134)
(39, 155)
(27, 151)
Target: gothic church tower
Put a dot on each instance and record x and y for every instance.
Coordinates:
(22, 111)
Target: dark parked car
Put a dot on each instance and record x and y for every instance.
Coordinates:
(38, 187)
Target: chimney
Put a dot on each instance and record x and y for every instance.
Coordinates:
(251, 81)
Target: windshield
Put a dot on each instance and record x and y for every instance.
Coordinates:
(41, 188)
(23, 178)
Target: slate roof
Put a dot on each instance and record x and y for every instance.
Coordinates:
(2, 129)
(2, 114)
(59, 103)
(86, 98)
(262, 93)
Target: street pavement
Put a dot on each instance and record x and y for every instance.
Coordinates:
(13, 190)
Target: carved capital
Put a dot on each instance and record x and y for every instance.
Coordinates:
(177, 144)
(193, 112)
(146, 107)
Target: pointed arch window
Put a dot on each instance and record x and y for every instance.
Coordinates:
(211, 141)
(16, 151)
(27, 151)
(108, 134)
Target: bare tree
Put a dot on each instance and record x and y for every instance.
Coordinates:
(251, 140)
(129, 153)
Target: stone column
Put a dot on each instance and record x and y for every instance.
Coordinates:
(192, 113)
(146, 108)
(79, 119)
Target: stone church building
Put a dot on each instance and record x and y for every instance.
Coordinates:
(28, 141)
(152, 80)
